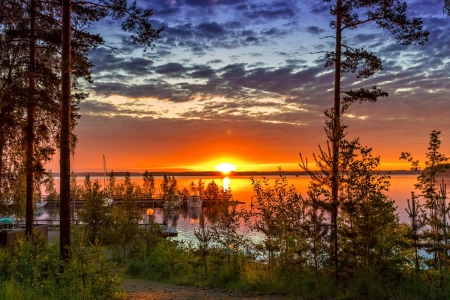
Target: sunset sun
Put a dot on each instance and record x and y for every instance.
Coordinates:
(226, 168)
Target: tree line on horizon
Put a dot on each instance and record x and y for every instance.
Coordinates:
(167, 190)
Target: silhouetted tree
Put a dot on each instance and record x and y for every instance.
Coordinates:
(225, 229)
(204, 235)
(201, 187)
(416, 214)
(168, 187)
(149, 185)
(137, 21)
(126, 217)
(111, 189)
(95, 216)
(435, 234)
(49, 185)
(348, 15)
(32, 24)
(212, 191)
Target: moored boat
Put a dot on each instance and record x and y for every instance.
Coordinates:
(108, 202)
(194, 201)
(41, 203)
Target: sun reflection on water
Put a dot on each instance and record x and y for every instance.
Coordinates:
(226, 183)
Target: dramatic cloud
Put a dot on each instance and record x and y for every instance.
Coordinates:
(315, 30)
(248, 73)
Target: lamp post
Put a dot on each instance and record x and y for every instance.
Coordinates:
(150, 213)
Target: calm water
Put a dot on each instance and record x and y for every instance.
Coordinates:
(186, 221)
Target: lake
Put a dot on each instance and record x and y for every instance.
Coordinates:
(186, 221)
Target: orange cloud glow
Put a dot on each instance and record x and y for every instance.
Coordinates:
(139, 144)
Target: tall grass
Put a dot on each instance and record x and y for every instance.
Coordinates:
(181, 264)
(34, 271)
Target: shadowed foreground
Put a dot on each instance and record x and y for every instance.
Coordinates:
(140, 289)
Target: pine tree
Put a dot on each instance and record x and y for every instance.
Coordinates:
(34, 69)
(136, 21)
(435, 232)
(149, 185)
(95, 215)
(348, 15)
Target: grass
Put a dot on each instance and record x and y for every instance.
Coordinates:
(245, 276)
(34, 271)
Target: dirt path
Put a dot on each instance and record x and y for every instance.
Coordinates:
(140, 289)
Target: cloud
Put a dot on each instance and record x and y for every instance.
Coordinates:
(315, 30)
(249, 62)
(211, 30)
(98, 108)
(319, 8)
(212, 2)
(171, 69)
(105, 62)
(364, 37)
(202, 72)
(215, 61)
(273, 10)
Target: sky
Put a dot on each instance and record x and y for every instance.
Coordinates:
(243, 81)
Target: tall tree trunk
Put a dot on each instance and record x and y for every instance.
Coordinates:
(4, 115)
(336, 135)
(2, 147)
(29, 165)
(65, 130)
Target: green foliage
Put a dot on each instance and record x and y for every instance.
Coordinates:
(95, 215)
(349, 15)
(148, 187)
(165, 261)
(212, 191)
(429, 220)
(49, 184)
(204, 235)
(111, 185)
(376, 261)
(193, 187)
(169, 186)
(19, 196)
(225, 229)
(75, 189)
(125, 219)
(33, 271)
(201, 187)
(277, 213)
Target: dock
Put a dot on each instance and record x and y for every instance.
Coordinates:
(140, 202)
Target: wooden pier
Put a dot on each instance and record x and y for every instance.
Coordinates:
(140, 202)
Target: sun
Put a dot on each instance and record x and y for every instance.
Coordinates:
(226, 168)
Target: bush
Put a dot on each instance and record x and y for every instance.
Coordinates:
(34, 271)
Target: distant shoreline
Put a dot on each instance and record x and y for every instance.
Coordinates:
(217, 173)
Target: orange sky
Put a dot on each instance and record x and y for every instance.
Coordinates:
(178, 145)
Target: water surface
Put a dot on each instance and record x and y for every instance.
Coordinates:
(185, 221)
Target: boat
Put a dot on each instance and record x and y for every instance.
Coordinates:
(194, 215)
(194, 212)
(172, 202)
(41, 204)
(168, 231)
(108, 202)
(194, 201)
